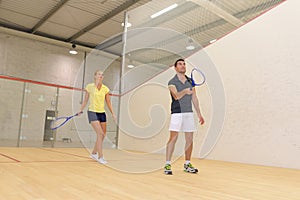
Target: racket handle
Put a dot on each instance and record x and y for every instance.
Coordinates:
(79, 113)
(193, 83)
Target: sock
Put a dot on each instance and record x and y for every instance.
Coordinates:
(187, 162)
(168, 162)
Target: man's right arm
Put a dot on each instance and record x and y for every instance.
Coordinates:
(178, 95)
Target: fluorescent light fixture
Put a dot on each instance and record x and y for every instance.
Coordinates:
(130, 66)
(171, 7)
(212, 41)
(73, 51)
(128, 24)
(190, 47)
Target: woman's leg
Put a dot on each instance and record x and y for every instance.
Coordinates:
(100, 133)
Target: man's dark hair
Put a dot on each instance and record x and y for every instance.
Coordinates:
(178, 61)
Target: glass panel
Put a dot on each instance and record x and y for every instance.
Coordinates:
(66, 135)
(38, 100)
(10, 108)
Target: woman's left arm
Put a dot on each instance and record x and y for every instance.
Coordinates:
(108, 103)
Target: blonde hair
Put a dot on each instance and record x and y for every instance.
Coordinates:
(97, 71)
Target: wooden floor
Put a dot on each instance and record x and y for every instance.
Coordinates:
(61, 173)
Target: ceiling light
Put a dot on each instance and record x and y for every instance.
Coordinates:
(190, 47)
(212, 41)
(130, 66)
(128, 24)
(73, 51)
(164, 10)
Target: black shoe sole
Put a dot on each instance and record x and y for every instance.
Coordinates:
(195, 172)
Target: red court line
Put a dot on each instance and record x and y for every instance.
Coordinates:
(57, 161)
(44, 83)
(11, 158)
(48, 161)
(54, 151)
(68, 87)
(38, 82)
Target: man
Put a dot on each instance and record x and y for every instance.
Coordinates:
(182, 118)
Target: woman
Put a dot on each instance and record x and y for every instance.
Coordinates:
(97, 92)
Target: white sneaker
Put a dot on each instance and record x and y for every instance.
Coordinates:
(94, 156)
(102, 161)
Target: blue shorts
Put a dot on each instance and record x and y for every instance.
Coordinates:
(94, 116)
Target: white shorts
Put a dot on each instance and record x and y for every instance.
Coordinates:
(182, 122)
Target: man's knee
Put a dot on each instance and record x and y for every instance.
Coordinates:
(173, 138)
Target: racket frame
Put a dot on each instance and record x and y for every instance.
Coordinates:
(202, 74)
(66, 120)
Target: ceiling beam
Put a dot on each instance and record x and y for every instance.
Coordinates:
(48, 15)
(101, 20)
(208, 5)
(44, 39)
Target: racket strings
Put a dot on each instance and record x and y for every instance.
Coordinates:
(198, 77)
(58, 122)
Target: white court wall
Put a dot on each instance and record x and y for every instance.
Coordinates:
(145, 116)
(259, 65)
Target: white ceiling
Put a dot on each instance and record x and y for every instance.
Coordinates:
(94, 23)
